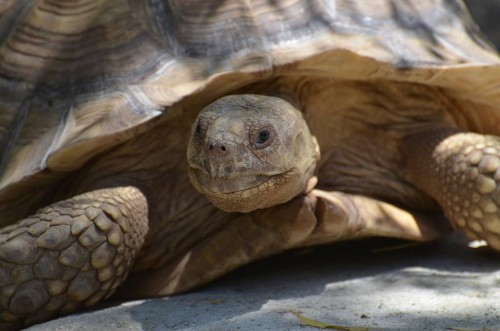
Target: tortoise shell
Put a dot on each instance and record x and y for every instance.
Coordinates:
(79, 78)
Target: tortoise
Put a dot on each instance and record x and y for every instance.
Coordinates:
(148, 148)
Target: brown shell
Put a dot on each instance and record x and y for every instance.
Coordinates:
(79, 77)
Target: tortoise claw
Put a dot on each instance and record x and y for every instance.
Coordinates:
(341, 216)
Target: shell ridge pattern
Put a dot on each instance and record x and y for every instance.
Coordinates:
(8, 140)
(9, 21)
(152, 54)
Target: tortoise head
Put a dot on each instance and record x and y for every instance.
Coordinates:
(248, 152)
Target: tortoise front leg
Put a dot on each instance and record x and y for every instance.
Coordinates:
(461, 171)
(70, 254)
(320, 217)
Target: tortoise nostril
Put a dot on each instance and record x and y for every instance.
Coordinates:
(219, 148)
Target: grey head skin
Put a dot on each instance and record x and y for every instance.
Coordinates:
(249, 152)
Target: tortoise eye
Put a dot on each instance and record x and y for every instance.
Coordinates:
(264, 138)
(198, 128)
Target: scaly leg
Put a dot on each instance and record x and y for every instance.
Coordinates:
(70, 254)
(461, 171)
(318, 218)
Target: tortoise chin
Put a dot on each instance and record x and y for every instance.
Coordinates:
(233, 183)
(268, 191)
(247, 193)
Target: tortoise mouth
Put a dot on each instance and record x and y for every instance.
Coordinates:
(235, 183)
(267, 191)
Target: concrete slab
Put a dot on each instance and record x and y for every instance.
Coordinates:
(436, 286)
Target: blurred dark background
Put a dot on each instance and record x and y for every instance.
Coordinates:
(487, 15)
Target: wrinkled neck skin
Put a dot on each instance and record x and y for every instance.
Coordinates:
(249, 152)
